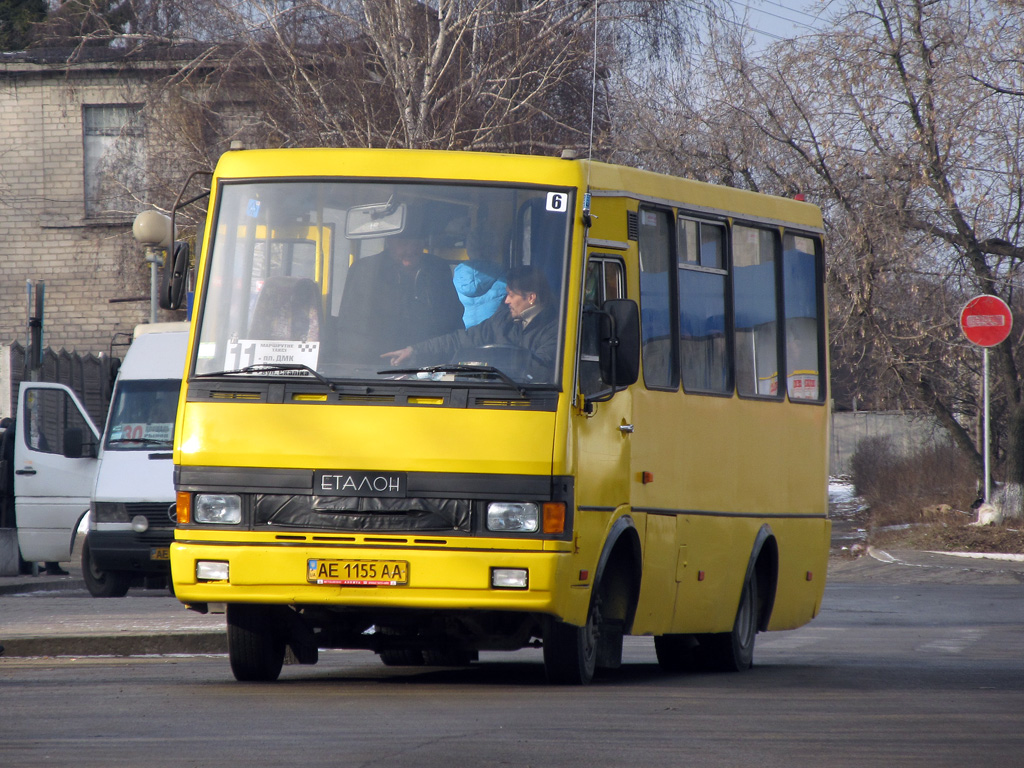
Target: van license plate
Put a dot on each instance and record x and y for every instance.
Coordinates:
(358, 573)
(160, 553)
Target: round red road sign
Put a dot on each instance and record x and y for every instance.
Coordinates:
(986, 320)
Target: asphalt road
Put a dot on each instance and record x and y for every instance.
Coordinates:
(910, 664)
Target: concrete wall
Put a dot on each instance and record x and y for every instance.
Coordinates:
(907, 431)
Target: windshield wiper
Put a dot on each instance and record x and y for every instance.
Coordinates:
(489, 370)
(143, 440)
(268, 367)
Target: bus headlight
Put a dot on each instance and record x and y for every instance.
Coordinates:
(217, 508)
(513, 517)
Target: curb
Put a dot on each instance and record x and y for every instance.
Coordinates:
(24, 587)
(185, 644)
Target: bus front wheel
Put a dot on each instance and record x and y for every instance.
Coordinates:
(255, 644)
(570, 652)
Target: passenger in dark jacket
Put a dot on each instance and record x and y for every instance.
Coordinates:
(398, 296)
(526, 320)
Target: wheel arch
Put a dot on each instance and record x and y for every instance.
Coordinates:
(621, 560)
(764, 560)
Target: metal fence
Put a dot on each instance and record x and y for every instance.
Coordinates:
(89, 376)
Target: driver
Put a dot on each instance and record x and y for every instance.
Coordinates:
(525, 320)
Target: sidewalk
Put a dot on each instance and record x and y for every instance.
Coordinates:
(56, 616)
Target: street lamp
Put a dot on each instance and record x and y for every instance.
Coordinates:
(152, 230)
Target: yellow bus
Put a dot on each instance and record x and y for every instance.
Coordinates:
(438, 403)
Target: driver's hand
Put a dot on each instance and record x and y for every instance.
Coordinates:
(399, 356)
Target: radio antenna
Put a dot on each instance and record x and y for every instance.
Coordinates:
(593, 109)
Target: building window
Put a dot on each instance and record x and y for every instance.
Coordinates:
(115, 160)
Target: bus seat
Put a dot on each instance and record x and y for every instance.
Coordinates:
(287, 309)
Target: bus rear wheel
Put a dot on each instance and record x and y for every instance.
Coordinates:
(734, 651)
(255, 645)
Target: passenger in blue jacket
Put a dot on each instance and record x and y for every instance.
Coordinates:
(526, 321)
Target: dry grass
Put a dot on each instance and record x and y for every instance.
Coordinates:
(952, 537)
(924, 501)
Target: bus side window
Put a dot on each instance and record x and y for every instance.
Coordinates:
(755, 302)
(605, 280)
(803, 318)
(703, 338)
(657, 348)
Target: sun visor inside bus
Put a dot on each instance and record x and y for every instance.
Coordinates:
(357, 513)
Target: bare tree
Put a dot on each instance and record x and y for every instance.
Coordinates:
(528, 76)
(506, 75)
(904, 121)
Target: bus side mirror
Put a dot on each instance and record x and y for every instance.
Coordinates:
(620, 351)
(173, 284)
(618, 331)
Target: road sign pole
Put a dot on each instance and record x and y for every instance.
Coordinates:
(986, 321)
(988, 471)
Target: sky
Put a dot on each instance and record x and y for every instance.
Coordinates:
(771, 20)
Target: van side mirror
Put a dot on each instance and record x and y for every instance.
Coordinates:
(75, 446)
(174, 283)
(73, 443)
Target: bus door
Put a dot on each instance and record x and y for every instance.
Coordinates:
(659, 428)
(604, 432)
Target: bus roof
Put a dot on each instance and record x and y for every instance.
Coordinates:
(602, 178)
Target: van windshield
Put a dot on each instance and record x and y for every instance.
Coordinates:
(142, 415)
(414, 281)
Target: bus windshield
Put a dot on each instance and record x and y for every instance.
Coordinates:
(338, 280)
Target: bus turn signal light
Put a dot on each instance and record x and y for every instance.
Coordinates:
(184, 508)
(554, 517)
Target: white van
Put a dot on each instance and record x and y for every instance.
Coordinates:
(132, 509)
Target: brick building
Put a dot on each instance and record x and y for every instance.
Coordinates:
(72, 156)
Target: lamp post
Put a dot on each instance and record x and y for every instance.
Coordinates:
(152, 230)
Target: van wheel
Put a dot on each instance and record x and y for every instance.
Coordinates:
(734, 651)
(255, 645)
(102, 583)
(402, 657)
(399, 657)
(675, 652)
(570, 652)
(449, 657)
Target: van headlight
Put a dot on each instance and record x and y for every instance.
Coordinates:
(217, 508)
(109, 512)
(513, 517)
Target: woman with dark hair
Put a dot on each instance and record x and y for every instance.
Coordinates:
(525, 321)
